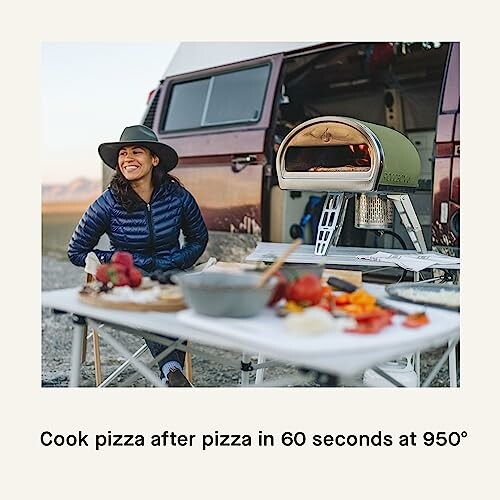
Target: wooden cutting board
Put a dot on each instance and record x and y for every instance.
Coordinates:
(160, 305)
(172, 300)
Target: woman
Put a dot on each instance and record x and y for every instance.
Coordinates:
(143, 212)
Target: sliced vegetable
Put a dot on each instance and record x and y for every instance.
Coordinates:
(375, 314)
(343, 299)
(371, 322)
(326, 303)
(362, 297)
(416, 320)
(292, 306)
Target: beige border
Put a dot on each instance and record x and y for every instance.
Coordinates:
(36, 472)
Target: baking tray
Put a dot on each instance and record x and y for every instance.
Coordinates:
(398, 291)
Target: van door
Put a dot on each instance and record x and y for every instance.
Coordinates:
(446, 183)
(217, 121)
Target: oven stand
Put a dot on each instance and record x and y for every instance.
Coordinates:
(409, 219)
(331, 221)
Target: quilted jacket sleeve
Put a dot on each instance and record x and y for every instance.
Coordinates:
(89, 230)
(195, 234)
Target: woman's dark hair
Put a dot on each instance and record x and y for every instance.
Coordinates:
(123, 190)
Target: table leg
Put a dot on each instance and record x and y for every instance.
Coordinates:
(79, 329)
(387, 377)
(84, 344)
(138, 365)
(246, 368)
(416, 277)
(327, 379)
(123, 366)
(452, 365)
(259, 374)
(417, 367)
(439, 364)
(97, 358)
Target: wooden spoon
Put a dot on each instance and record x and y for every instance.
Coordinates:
(278, 263)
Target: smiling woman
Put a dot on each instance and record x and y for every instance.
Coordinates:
(143, 213)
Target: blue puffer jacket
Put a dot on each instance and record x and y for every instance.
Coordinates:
(150, 233)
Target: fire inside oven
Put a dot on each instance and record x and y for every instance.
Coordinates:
(344, 158)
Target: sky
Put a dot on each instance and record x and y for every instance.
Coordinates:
(90, 93)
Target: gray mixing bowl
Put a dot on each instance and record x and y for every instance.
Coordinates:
(232, 295)
(293, 271)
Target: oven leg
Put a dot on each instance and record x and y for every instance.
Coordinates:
(79, 329)
(330, 222)
(410, 220)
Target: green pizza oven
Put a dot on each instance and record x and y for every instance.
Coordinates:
(340, 154)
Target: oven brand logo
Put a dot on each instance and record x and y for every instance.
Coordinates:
(396, 178)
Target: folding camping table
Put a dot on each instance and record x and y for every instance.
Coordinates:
(347, 258)
(344, 256)
(338, 354)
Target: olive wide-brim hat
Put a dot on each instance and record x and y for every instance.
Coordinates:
(138, 135)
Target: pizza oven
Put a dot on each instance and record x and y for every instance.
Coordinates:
(348, 158)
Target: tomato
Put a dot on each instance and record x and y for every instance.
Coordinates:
(416, 320)
(306, 290)
(279, 290)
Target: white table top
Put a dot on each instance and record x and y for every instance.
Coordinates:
(340, 353)
(342, 256)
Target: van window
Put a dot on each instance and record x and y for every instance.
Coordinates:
(227, 98)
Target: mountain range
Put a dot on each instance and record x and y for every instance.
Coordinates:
(80, 189)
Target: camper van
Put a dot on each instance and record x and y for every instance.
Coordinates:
(226, 107)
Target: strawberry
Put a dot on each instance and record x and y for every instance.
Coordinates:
(114, 273)
(134, 277)
(123, 258)
(101, 273)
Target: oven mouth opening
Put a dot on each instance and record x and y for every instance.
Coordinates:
(344, 158)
